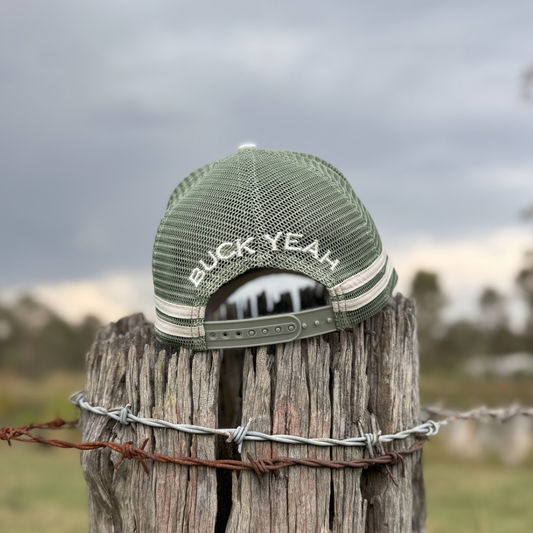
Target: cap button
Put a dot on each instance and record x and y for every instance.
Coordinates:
(247, 146)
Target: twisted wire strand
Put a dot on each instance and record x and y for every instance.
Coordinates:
(240, 434)
(129, 451)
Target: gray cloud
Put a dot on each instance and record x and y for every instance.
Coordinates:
(105, 107)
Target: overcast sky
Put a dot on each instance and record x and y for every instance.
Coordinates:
(106, 106)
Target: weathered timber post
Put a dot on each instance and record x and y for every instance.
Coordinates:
(336, 385)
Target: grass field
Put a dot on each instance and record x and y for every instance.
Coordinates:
(42, 489)
(485, 496)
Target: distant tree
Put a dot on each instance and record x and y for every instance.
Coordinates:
(463, 339)
(430, 302)
(524, 281)
(527, 213)
(527, 84)
(34, 340)
(493, 310)
(498, 338)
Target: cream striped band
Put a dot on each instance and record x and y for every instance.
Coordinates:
(360, 301)
(179, 311)
(177, 330)
(366, 275)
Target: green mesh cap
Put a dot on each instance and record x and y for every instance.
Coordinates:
(260, 209)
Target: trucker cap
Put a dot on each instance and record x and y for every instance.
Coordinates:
(265, 209)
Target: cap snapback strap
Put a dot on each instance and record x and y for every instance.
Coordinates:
(269, 329)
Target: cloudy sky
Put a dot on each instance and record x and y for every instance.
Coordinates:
(106, 106)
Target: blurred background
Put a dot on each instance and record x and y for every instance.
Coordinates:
(427, 108)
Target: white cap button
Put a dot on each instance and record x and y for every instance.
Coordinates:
(247, 146)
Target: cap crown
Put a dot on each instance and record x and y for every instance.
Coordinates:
(265, 209)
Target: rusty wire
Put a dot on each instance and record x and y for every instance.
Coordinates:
(127, 450)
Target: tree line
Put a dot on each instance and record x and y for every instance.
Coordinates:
(34, 340)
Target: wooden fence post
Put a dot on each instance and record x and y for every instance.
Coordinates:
(336, 385)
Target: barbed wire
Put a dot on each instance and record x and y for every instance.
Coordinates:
(260, 466)
(240, 434)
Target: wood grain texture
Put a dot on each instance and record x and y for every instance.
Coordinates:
(337, 385)
(124, 367)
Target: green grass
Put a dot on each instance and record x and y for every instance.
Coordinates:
(464, 392)
(42, 489)
(24, 401)
(469, 496)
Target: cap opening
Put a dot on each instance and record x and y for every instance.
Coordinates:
(263, 292)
